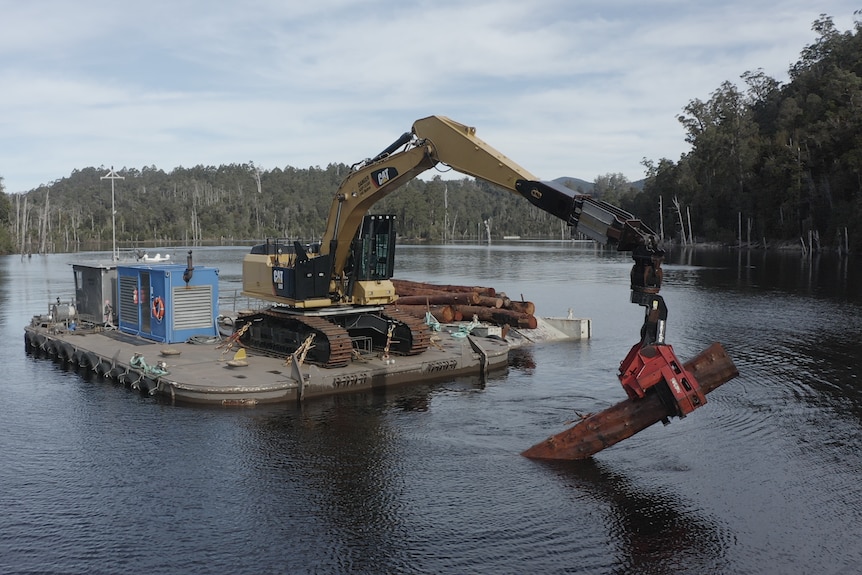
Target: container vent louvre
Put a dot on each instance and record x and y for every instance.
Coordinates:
(192, 307)
(128, 307)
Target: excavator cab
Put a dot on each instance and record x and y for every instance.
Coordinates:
(373, 253)
(372, 260)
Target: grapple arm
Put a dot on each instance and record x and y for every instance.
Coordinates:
(651, 363)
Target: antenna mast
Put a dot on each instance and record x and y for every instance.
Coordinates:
(112, 175)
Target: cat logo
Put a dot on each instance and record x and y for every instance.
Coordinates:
(382, 176)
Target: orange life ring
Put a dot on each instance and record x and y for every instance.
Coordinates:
(158, 309)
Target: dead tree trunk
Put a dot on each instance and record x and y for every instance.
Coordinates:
(679, 215)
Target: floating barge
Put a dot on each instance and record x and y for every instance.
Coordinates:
(206, 372)
(164, 341)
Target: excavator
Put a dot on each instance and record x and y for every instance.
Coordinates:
(340, 290)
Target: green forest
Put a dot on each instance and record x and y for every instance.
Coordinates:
(770, 164)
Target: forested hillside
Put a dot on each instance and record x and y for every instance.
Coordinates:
(771, 163)
(225, 204)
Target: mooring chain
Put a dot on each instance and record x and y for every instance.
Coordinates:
(228, 343)
(300, 352)
(388, 340)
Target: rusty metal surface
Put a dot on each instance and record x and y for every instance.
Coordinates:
(712, 368)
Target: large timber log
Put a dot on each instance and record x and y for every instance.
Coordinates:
(711, 368)
(489, 301)
(527, 307)
(445, 298)
(498, 316)
(416, 290)
(442, 313)
(429, 287)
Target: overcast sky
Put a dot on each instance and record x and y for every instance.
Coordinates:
(563, 87)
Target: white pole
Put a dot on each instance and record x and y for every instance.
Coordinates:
(115, 255)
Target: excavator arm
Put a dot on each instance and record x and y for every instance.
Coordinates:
(650, 363)
(650, 367)
(439, 140)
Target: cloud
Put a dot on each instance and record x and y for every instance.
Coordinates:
(563, 88)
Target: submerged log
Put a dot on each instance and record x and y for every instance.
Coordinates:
(711, 368)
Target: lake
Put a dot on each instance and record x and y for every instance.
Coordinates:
(427, 479)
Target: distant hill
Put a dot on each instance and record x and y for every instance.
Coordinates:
(576, 184)
(587, 187)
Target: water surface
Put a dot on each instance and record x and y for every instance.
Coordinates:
(427, 478)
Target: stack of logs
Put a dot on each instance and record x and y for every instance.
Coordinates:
(452, 303)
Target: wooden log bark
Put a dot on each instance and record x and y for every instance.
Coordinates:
(711, 368)
(408, 284)
(447, 298)
(488, 301)
(443, 313)
(522, 306)
(498, 316)
(414, 290)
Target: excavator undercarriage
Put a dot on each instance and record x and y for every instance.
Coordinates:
(337, 333)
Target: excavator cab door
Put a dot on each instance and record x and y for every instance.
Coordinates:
(374, 249)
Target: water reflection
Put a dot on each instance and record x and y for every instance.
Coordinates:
(653, 531)
(348, 456)
(822, 275)
(522, 360)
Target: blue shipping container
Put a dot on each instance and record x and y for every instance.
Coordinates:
(156, 303)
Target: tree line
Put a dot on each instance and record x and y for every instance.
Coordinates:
(771, 163)
(241, 203)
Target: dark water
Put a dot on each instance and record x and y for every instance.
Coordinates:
(764, 479)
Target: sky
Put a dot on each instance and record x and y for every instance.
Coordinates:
(575, 88)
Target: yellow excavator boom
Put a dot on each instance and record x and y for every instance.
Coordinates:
(433, 140)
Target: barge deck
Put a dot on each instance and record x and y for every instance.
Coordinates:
(202, 370)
